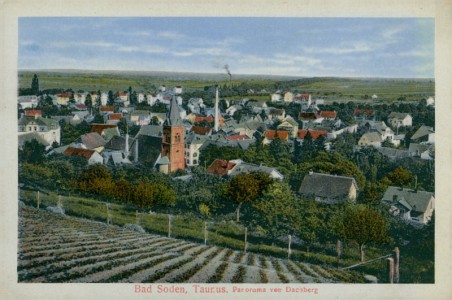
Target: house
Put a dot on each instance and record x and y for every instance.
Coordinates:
(140, 97)
(304, 100)
(383, 130)
(270, 135)
(233, 108)
(63, 99)
(99, 128)
(289, 124)
(103, 99)
(425, 134)
(90, 155)
(123, 97)
(275, 114)
(328, 115)
(25, 102)
(288, 97)
(220, 167)
(201, 130)
(374, 97)
(393, 153)
(413, 206)
(81, 107)
(91, 141)
(193, 144)
(364, 114)
(422, 151)
(151, 99)
(430, 101)
(140, 117)
(241, 167)
(396, 120)
(310, 117)
(47, 128)
(370, 139)
(80, 98)
(114, 118)
(315, 134)
(33, 113)
(30, 136)
(257, 106)
(196, 105)
(235, 167)
(328, 188)
(276, 97)
(178, 89)
(107, 109)
(118, 149)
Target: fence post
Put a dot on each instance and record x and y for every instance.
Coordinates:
(396, 265)
(391, 269)
(38, 200)
(109, 219)
(60, 203)
(339, 251)
(205, 233)
(246, 233)
(289, 251)
(169, 226)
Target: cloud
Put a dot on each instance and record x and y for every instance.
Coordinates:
(354, 47)
(172, 35)
(142, 49)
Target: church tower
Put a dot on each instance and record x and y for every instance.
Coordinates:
(173, 139)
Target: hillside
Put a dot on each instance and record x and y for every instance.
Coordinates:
(58, 248)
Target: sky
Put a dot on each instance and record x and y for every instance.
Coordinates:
(305, 47)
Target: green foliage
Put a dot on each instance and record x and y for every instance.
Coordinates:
(400, 177)
(275, 210)
(32, 152)
(363, 226)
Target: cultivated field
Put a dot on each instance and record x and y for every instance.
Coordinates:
(59, 248)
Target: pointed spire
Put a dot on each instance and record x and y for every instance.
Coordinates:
(173, 118)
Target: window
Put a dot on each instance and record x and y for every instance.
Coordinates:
(35, 128)
(195, 154)
(195, 162)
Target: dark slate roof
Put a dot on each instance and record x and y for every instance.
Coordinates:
(393, 153)
(149, 148)
(326, 186)
(92, 140)
(151, 130)
(28, 137)
(421, 132)
(418, 200)
(397, 115)
(118, 143)
(173, 118)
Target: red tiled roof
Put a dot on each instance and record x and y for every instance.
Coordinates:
(281, 134)
(367, 112)
(315, 134)
(208, 119)
(328, 114)
(33, 113)
(99, 128)
(107, 108)
(81, 106)
(237, 137)
(85, 153)
(65, 95)
(302, 96)
(308, 115)
(115, 116)
(122, 94)
(220, 167)
(201, 130)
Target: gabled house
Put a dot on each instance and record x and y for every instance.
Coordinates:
(328, 115)
(310, 117)
(33, 113)
(276, 97)
(91, 141)
(193, 144)
(63, 99)
(288, 97)
(330, 189)
(114, 118)
(140, 117)
(118, 149)
(275, 114)
(425, 134)
(396, 120)
(220, 167)
(270, 135)
(370, 139)
(304, 100)
(290, 125)
(422, 151)
(315, 134)
(90, 155)
(413, 206)
(100, 128)
(25, 102)
(47, 128)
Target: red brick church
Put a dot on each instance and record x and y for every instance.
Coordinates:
(172, 158)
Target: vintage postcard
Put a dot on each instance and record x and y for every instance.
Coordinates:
(243, 150)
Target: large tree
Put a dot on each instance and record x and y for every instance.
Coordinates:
(35, 84)
(363, 226)
(246, 187)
